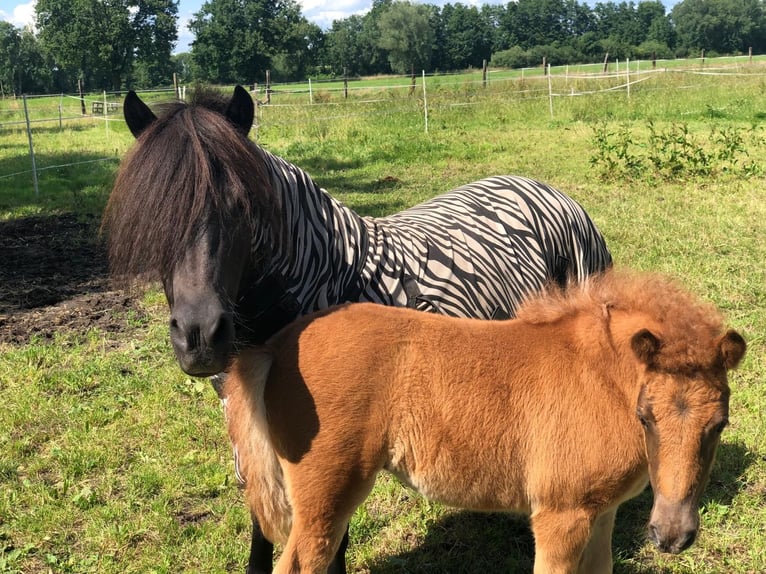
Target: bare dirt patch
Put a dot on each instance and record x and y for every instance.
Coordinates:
(54, 277)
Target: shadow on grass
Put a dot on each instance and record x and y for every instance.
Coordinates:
(475, 543)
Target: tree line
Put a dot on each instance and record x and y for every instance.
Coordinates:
(119, 43)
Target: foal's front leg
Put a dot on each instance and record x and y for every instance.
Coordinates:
(597, 556)
(560, 538)
(313, 549)
(262, 552)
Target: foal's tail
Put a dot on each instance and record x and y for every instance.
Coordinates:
(248, 429)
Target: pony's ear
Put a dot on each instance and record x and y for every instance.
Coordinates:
(645, 345)
(138, 116)
(241, 110)
(731, 349)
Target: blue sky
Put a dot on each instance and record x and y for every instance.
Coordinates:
(321, 12)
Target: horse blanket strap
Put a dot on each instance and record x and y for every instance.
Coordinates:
(499, 314)
(273, 307)
(412, 291)
(416, 299)
(561, 273)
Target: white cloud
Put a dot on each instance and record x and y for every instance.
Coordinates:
(325, 18)
(23, 15)
(322, 12)
(185, 37)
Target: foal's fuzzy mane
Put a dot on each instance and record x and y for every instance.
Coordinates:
(187, 164)
(689, 326)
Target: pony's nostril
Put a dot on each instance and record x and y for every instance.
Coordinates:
(222, 331)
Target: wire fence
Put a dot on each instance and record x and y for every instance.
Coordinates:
(51, 123)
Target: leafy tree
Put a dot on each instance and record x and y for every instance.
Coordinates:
(10, 41)
(183, 66)
(723, 26)
(407, 36)
(22, 66)
(620, 26)
(532, 23)
(492, 16)
(467, 37)
(154, 23)
(343, 49)
(99, 41)
(34, 75)
(238, 40)
(300, 53)
(373, 53)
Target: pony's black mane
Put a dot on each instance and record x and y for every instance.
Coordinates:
(190, 168)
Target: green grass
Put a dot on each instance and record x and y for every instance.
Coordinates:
(115, 461)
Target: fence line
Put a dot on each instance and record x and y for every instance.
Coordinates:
(629, 78)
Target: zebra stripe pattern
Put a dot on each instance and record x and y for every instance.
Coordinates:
(474, 251)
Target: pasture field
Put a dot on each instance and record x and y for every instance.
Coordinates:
(112, 460)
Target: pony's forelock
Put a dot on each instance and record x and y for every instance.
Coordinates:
(190, 163)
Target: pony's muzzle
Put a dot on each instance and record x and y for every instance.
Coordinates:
(202, 345)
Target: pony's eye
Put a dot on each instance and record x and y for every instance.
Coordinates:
(642, 418)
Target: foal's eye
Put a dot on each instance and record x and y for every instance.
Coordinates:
(718, 429)
(642, 418)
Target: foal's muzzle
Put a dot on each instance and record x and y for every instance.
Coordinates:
(673, 544)
(673, 526)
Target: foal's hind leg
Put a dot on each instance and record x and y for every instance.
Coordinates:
(261, 552)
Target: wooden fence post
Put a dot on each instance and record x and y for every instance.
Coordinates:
(175, 85)
(606, 62)
(345, 82)
(268, 86)
(484, 73)
(82, 98)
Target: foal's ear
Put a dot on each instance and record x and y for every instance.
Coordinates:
(731, 349)
(645, 345)
(138, 116)
(241, 110)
